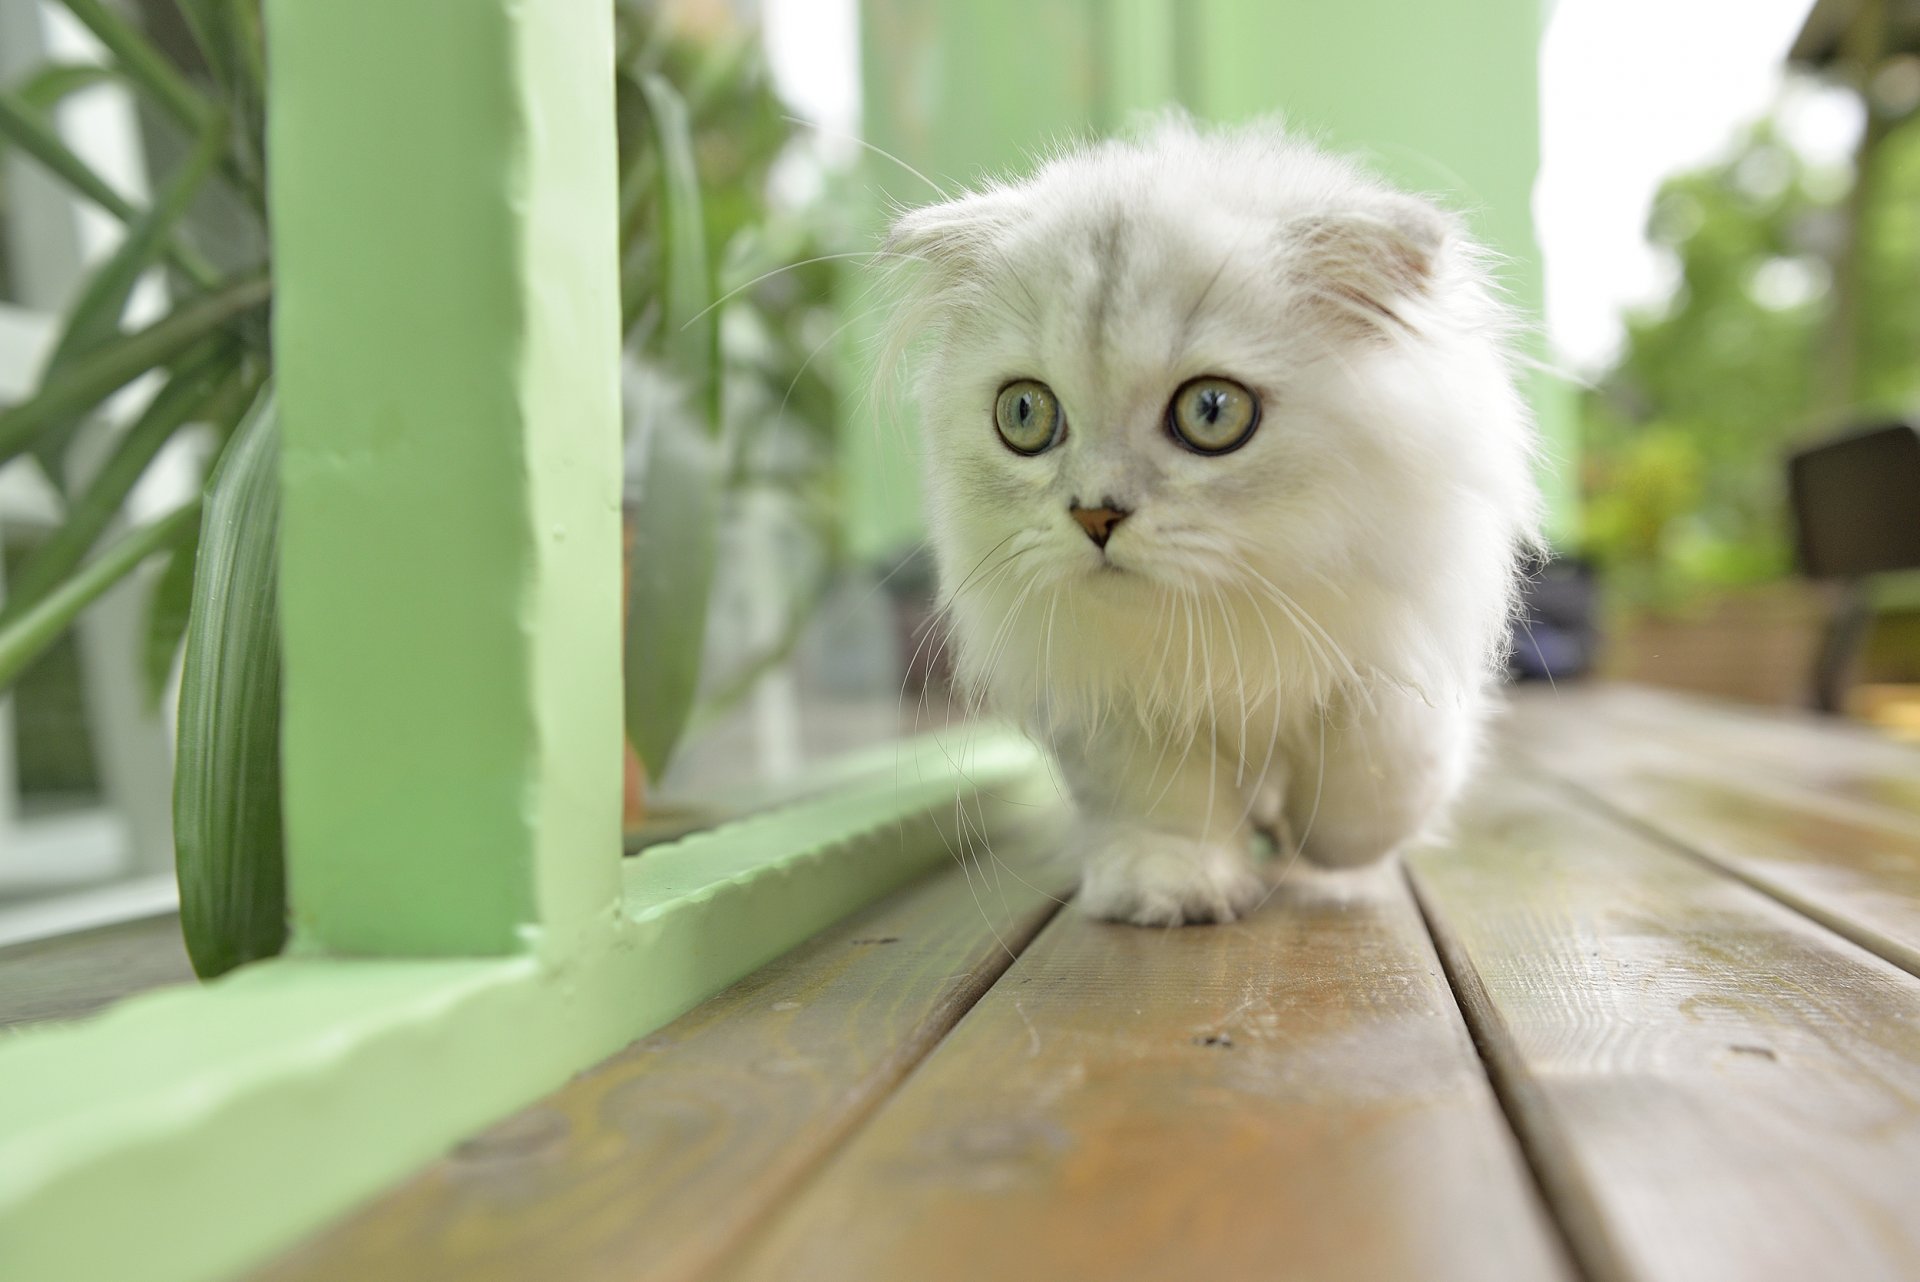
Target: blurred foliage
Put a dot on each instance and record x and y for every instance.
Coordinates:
(1684, 440)
(730, 406)
(774, 528)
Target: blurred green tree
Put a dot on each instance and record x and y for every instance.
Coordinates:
(1683, 440)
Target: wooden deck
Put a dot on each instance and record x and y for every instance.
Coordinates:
(1654, 1014)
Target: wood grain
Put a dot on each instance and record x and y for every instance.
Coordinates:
(1851, 863)
(648, 1165)
(1293, 1096)
(1715, 1088)
(1838, 759)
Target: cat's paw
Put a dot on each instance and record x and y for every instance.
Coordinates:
(1159, 879)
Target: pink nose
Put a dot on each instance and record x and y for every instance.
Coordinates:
(1098, 522)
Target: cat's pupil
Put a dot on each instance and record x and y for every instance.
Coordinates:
(1210, 402)
(1026, 408)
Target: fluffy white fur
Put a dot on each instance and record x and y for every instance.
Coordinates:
(1298, 636)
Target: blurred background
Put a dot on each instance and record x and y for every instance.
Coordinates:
(1709, 208)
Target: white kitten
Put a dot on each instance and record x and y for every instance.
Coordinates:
(1227, 477)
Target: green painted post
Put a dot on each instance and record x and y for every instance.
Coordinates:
(447, 328)
(1441, 98)
(960, 89)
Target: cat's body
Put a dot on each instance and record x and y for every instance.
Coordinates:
(1226, 477)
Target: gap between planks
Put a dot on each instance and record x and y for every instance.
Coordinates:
(1850, 861)
(1708, 1084)
(1295, 1091)
(1575, 1214)
(1836, 920)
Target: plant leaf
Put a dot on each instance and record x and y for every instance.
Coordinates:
(23, 640)
(143, 63)
(31, 134)
(95, 316)
(34, 136)
(168, 607)
(672, 532)
(89, 514)
(229, 37)
(690, 332)
(111, 366)
(789, 571)
(228, 843)
(47, 87)
(172, 597)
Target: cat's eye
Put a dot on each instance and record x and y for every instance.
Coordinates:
(1213, 415)
(1028, 416)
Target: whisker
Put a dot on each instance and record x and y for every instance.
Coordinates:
(882, 152)
(737, 290)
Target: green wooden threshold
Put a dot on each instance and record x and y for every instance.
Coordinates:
(188, 1134)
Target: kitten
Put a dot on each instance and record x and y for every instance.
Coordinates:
(1227, 477)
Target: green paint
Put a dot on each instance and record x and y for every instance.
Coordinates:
(1144, 42)
(190, 1134)
(960, 90)
(1442, 98)
(1439, 98)
(447, 320)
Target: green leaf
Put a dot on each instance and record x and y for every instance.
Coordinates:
(228, 34)
(168, 607)
(26, 130)
(690, 333)
(23, 640)
(48, 86)
(229, 37)
(794, 585)
(672, 531)
(94, 317)
(143, 63)
(171, 601)
(89, 515)
(228, 844)
(111, 366)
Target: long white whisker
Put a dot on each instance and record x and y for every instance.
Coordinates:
(737, 290)
(882, 152)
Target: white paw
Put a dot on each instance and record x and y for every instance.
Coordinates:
(1159, 879)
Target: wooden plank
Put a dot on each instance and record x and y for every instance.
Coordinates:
(1713, 1087)
(1837, 758)
(1289, 1096)
(651, 1164)
(295, 1088)
(74, 975)
(1853, 865)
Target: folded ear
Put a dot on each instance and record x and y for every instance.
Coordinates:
(1362, 264)
(954, 233)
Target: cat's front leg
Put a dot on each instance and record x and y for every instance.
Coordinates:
(1379, 775)
(1162, 834)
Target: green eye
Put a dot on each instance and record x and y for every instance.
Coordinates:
(1213, 415)
(1028, 417)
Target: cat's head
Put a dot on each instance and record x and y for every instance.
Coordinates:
(1204, 364)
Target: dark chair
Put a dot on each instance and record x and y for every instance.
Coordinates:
(1856, 513)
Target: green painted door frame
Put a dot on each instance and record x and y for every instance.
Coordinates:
(1442, 97)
